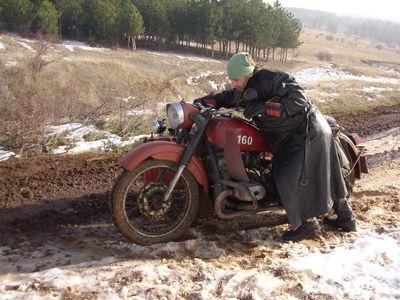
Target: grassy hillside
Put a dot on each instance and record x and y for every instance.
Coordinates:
(46, 83)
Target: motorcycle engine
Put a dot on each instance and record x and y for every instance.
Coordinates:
(259, 170)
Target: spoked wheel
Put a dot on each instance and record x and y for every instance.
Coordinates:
(138, 206)
(350, 175)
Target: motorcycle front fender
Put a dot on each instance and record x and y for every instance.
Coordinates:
(163, 150)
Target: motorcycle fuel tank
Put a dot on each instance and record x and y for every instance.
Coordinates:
(227, 131)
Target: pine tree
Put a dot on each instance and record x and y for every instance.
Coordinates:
(155, 18)
(130, 22)
(17, 14)
(72, 18)
(48, 18)
(101, 21)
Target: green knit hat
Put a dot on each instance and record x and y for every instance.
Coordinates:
(239, 66)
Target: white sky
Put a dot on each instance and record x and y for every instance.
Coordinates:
(379, 9)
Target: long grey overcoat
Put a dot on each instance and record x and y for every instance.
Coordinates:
(306, 167)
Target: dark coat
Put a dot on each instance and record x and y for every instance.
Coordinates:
(308, 181)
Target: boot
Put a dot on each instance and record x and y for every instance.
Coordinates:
(304, 230)
(346, 225)
(345, 219)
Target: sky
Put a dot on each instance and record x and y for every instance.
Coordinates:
(382, 9)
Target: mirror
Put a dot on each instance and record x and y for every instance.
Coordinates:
(250, 94)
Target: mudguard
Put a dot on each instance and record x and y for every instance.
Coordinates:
(164, 150)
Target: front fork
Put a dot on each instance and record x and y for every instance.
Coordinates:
(201, 124)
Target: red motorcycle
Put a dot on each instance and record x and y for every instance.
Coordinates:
(209, 157)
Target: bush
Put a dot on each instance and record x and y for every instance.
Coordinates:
(127, 126)
(54, 141)
(324, 56)
(24, 108)
(94, 136)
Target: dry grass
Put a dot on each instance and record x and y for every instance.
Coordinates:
(346, 51)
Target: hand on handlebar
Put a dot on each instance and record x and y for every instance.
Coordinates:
(252, 109)
(206, 101)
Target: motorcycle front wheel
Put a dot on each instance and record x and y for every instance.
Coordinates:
(139, 210)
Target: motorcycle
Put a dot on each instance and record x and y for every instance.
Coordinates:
(210, 158)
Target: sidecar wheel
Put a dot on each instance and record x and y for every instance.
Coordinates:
(137, 205)
(350, 179)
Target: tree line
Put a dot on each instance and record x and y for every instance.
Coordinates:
(222, 26)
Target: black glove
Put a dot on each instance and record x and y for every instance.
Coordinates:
(198, 101)
(254, 108)
(206, 100)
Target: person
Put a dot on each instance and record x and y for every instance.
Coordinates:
(306, 167)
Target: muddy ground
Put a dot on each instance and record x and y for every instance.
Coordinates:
(54, 209)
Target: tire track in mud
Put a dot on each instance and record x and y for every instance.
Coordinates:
(378, 158)
(372, 122)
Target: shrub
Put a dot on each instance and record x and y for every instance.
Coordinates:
(127, 126)
(94, 136)
(52, 142)
(24, 109)
(324, 56)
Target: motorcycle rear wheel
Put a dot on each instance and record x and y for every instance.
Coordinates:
(138, 208)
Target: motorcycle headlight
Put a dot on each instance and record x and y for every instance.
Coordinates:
(175, 115)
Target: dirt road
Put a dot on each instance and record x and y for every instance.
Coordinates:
(54, 209)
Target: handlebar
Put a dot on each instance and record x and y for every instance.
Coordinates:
(212, 109)
(229, 110)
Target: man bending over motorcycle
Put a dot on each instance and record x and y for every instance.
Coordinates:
(306, 168)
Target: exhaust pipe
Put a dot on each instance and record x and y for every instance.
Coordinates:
(220, 204)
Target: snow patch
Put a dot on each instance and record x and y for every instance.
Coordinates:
(375, 89)
(127, 99)
(368, 267)
(56, 278)
(2, 47)
(25, 45)
(388, 70)
(10, 63)
(331, 95)
(194, 80)
(64, 127)
(4, 155)
(217, 86)
(196, 58)
(187, 57)
(329, 72)
(364, 269)
(77, 131)
(72, 45)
